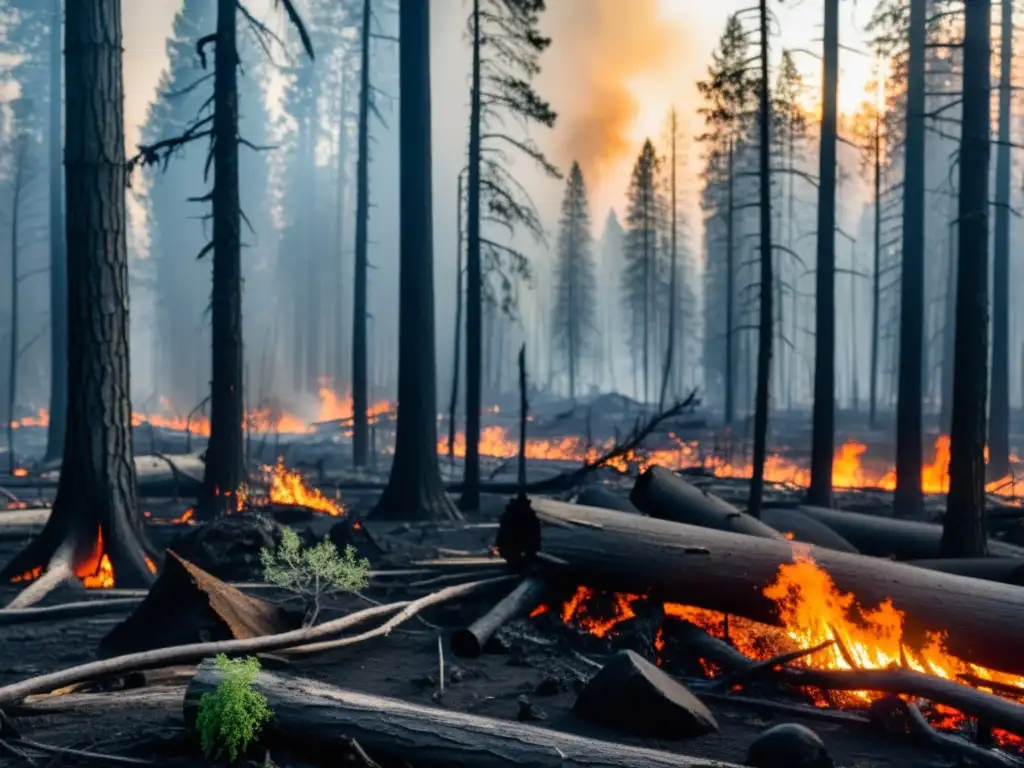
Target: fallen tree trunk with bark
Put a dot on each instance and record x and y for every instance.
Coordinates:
(1005, 570)
(727, 572)
(663, 494)
(888, 537)
(470, 641)
(317, 716)
(158, 475)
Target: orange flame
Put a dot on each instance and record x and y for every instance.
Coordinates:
(288, 487)
(20, 472)
(812, 611)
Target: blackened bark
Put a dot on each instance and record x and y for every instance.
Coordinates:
(453, 402)
(58, 255)
(876, 276)
(907, 500)
(474, 287)
(18, 184)
(999, 424)
(414, 489)
(337, 358)
(765, 330)
(225, 471)
(823, 426)
(95, 511)
(360, 369)
(730, 290)
(672, 288)
(963, 533)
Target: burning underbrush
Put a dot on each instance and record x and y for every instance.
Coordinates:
(820, 629)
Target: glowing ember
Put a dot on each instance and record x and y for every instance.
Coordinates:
(20, 472)
(288, 487)
(812, 611)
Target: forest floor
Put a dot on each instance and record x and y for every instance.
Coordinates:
(543, 665)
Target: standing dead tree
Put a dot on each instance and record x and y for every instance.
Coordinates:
(94, 531)
(218, 121)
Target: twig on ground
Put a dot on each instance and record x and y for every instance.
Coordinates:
(447, 578)
(360, 754)
(10, 616)
(410, 610)
(919, 727)
(440, 666)
(194, 652)
(743, 675)
(83, 753)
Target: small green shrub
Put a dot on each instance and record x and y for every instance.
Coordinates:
(313, 571)
(233, 716)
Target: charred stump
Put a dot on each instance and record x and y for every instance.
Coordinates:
(95, 529)
(188, 605)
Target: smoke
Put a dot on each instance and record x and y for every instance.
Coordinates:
(608, 57)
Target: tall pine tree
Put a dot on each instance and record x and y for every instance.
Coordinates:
(575, 279)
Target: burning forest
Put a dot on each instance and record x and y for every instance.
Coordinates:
(427, 385)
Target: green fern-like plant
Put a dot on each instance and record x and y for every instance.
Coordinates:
(233, 716)
(313, 571)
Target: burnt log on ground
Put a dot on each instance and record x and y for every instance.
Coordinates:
(740, 670)
(661, 493)
(727, 572)
(805, 529)
(157, 475)
(601, 497)
(1006, 570)
(888, 537)
(321, 718)
(470, 641)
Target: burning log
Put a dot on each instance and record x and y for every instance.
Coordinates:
(722, 571)
(663, 494)
(470, 642)
(888, 537)
(321, 716)
(997, 711)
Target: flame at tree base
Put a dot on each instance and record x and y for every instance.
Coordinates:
(95, 572)
(812, 611)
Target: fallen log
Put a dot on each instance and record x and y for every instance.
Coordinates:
(898, 539)
(995, 710)
(158, 475)
(663, 494)
(800, 527)
(320, 716)
(1005, 570)
(470, 641)
(601, 497)
(727, 572)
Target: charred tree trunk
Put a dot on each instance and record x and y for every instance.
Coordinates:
(58, 255)
(908, 500)
(999, 424)
(949, 323)
(360, 370)
(964, 532)
(672, 287)
(823, 428)
(337, 357)
(730, 290)
(454, 401)
(876, 277)
(18, 188)
(95, 513)
(225, 471)
(414, 489)
(765, 328)
(474, 286)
